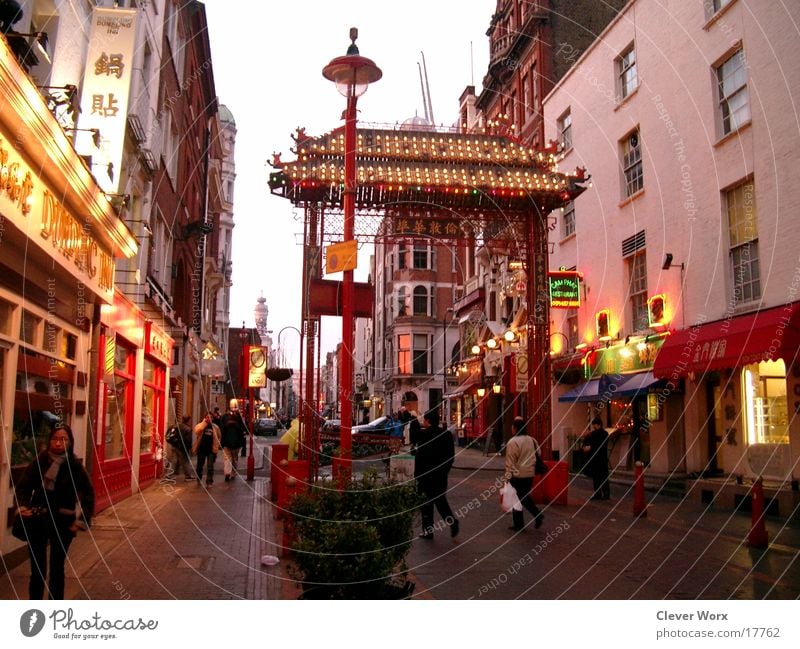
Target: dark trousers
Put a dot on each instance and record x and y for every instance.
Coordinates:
(59, 541)
(523, 488)
(602, 489)
(434, 489)
(201, 460)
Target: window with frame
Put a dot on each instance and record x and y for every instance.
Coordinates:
(420, 300)
(565, 129)
(534, 96)
(401, 255)
(404, 354)
(568, 220)
(421, 255)
(743, 233)
(627, 77)
(632, 164)
(420, 365)
(402, 303)
(637, 291)
(573, 333)
(766, 419)
(734, 101)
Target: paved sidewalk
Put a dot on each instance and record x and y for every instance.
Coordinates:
(180, 540)
(176, 540)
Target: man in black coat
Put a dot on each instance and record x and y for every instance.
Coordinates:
(595, 449)
(233, 430)
(433, 451)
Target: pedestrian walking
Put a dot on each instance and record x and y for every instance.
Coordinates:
(521, 452)
(55, 499)
(179, 443)
(206, 447)
(434, 452)
(233, 430)
(595, 447)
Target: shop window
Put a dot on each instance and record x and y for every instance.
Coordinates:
(6, 313)
(765, 404)
(42, 398)
(149, 411)
(29, 328)
(119, 399)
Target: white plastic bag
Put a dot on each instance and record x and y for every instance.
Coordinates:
(509, 499)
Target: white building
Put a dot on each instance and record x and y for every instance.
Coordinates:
(685, 115)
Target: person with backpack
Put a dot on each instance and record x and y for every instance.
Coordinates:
(179, 443)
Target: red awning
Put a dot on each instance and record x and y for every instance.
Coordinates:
(764, 335)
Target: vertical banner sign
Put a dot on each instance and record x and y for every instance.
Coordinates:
(256, 367)
(106, 90)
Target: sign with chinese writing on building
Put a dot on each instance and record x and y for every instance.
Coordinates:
(632, 357)
(428, 227)
(106, 87)
(565, 289)
(256, 366)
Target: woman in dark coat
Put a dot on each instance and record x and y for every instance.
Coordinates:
(433, 451)
(595, 449)
(53, 486)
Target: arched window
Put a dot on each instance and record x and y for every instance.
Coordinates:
(420, 300)
(402, 308)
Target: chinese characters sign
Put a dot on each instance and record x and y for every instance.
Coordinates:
(428, 227)
(106, 88)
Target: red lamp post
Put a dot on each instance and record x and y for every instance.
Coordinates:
(351, 74)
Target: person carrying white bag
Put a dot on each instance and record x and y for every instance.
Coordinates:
(521, 452)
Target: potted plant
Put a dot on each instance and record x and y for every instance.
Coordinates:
(351, 543)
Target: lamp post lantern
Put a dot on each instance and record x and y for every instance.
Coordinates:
(352, 74)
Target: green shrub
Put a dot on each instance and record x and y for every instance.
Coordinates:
(352, 543)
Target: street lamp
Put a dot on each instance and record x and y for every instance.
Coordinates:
(351, 74)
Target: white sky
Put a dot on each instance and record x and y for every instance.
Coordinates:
(268, 59)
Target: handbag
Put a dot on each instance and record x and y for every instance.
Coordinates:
(34, 526)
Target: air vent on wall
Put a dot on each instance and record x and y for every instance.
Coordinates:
(633, 244)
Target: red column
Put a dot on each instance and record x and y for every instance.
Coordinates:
(346, 363)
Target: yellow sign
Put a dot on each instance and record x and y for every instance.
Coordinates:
(257, 367)
(341, 256)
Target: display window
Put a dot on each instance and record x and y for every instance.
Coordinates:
(765, 403)
(153, 400)
(119, 403)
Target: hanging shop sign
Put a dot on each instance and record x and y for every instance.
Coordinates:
(106, 90)
(256, 367)
(341, 256)
(565, 289)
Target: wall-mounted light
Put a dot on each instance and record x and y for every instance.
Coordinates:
(601, 325)
(510, 336)
(497, 388)
(476, 349)
(23, 48)
(491, 343)
(481, 392)
(145, 226)
(656, 310)
(66, 95)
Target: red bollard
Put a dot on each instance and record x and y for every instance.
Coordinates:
(639, 504)
(758, 531)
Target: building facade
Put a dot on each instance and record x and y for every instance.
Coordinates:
(686, 330)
